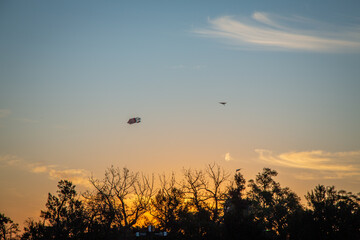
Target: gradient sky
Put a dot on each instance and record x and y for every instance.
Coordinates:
(73, 72)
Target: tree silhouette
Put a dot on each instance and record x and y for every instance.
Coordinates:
(272, 206)
(334, 215)
(120, 199)
(36, 231)
(65, 216)
(205, 205)
(238, 220)
(8, 229)
(205, 192)
(193, 185)
(215, 183)
(168, 207)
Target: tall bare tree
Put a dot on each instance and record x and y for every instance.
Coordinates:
(122, 196)
(216, 183)
(168, 205)
(194, 188)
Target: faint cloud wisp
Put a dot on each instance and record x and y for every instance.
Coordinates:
(228, 158)
(54, 172)
(9, 160)
(76, 176)
(271, 32)
(329, 164)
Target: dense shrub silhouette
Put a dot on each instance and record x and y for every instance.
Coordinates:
(205, 204)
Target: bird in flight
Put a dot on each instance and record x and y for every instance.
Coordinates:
(223, 103)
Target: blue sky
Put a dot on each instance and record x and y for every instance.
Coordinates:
(73, 72)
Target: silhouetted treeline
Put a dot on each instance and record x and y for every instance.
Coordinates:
(203, 204)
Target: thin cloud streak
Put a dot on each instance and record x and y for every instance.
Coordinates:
(268, 32)
(9, 160)
(335, 164)
(76, 176)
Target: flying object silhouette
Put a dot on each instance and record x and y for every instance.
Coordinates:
(223, 103)
(134, 120)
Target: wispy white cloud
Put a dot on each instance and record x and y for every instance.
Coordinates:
(265, 19)
(274, 32)
(54, 172)
(331, 164)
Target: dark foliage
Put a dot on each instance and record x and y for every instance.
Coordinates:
(333, 214)
(204, 205)
(8, 229)
(64, 217)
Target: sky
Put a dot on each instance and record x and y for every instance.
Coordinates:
(73, 72)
